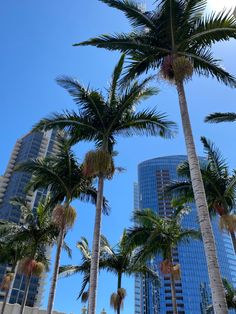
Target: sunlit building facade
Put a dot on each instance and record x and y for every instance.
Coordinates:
(193, 290)
(12, 184)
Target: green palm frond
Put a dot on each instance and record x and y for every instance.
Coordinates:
(147, 122)
(219, 117)
(133, 12)
(216, 160)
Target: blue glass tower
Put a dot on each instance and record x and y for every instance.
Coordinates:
(193, 290)
(12, 184)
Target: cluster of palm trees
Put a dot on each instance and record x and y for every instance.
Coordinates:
(173, 41)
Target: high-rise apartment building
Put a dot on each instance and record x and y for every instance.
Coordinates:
(193, 290)
(12, 184)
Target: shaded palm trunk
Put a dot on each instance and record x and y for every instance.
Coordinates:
(118, 287)
(5, 300)
(173, 289)
(55, 272)
(27, 285)
(233, 238)
(7, 294)
(96, 248)
(218, 295)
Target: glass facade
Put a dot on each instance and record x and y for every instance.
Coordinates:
(193, 290)
(12, 184)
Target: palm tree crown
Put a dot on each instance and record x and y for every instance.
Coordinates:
(176, 28)
(62, 173)
(101, 119)
(119, 259)
(220, 185)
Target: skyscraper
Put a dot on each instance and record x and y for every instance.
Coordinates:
(12, 184)
(193, 290)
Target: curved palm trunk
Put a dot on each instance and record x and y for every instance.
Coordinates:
(55, 272)
(96, 248)
(27, 284)
(118, 287)
(218, 295)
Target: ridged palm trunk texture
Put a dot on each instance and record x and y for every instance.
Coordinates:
(96, 248)
(217, 289)
(5, 300)
(55, 272)
(27, 284)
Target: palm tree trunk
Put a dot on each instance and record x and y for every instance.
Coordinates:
(7, 294)
(5, 300)
(173, 294)
(96, 248)
(55, 272)
(27, 284)
(118, 287)
(14, 270)
(233, 238)
(218, 295)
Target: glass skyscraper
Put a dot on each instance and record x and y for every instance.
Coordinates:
(12, 184)
(193, 290)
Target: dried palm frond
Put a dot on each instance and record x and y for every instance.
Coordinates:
(228, 223)
(6, 283)
(114, 301)
(84, 296)
(167, 71)
(183, 69)
(26, 266)
(176, 69)
(38, 269)
(166, 266)
(64, 216)
(98, 162)
(176, 272)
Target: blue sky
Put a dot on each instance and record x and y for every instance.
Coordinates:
(36, 47)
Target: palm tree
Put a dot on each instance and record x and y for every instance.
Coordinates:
(120, 260)
(154, 235)
(36, 231)
(176, 38)
(102, 119)
(10, 255)
(64, 176)
(220, 187)
(219, 117)
(230, 293)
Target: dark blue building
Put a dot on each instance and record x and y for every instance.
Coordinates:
(193, 290)
(12, 184)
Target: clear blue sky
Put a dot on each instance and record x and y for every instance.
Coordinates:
(36, 46)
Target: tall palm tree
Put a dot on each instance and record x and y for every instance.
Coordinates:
(102, 119)
(120, 260)
(220, 187)
(64, 176)
(176, 38)
(10, 255)
(35, 232)
(154, 235)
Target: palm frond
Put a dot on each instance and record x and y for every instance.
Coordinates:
(219, 117)
(133, 12)
(214, 28)
(147, 122)
(217, 162)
